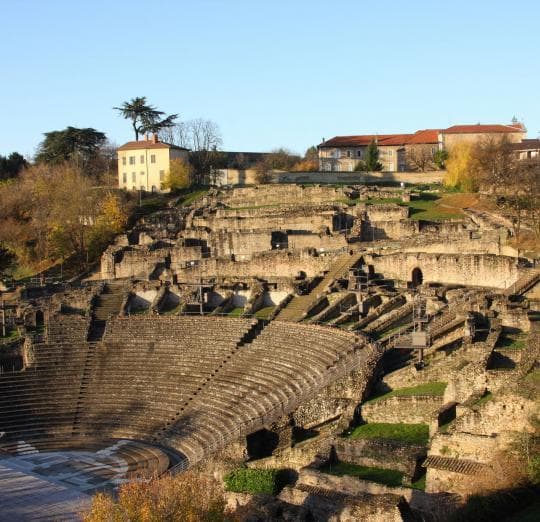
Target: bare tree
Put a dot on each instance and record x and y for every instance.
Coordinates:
(420, 158)
(515, 182)
(177, 135)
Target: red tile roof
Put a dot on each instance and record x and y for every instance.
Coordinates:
(426, 136)
(530, 144)
(479, 128)
(148, 144)
(352, 141)
(419, 137)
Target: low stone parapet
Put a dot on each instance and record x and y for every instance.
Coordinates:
(416, 409)
(387, 454)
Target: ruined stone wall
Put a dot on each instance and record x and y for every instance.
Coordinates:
(390, 212)
(242, 244)
(277, 263)
(470, 269)
(341, 397)
(469, 446)
(313, 222)
(377, 230)
(317, 241)
(411, 410)
(281, 194)
(380, 453)
(502, 413)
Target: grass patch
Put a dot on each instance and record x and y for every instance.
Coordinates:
(192, 196)
(429, 388)
(236, 312)
(512, 341)
(11, 335)
(382, 201)
(248, 480)
(409, 433)
(391, 330)
(388, 477)
(482, 400)
(432, 207)
(264, 313)
(419, 483)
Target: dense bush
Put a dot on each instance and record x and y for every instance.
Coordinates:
(246, 480)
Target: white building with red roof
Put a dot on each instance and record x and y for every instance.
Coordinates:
(405, 152)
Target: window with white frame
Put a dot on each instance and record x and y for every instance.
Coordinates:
(133, 177)
(132, 160)
(152, 158)
(124, 177)
(123, 160)
(161, 175)
(142, 159)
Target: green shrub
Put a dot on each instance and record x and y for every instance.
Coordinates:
(248, 480)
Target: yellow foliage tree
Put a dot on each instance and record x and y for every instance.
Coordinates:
(178, 176)
(190, 497)
(112, 215)
(461, 168)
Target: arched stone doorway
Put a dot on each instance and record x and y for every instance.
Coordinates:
(417, 278)
(39, 318)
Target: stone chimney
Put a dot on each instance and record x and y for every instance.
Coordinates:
(154, 137)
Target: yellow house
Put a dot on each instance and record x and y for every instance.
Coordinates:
(143, 165)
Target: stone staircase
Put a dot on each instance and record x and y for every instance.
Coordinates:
(88, 364)
(300, 304)
(107, 303)
(524, 283)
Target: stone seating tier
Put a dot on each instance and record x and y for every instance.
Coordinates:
(187, 382)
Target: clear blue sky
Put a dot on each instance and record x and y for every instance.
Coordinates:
(270, 73)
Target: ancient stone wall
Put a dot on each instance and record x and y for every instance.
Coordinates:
(315, 222)
(471, 269)
(411, 410)
(381, 453)
(281, 194)
(269, 264)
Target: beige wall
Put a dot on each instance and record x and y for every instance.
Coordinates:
(149, 167)
(345, 159)
(449, 140)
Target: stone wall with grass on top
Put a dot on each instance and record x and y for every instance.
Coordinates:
(410, 410)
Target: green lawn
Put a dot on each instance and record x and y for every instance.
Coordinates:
(388, 477)
(236, 312)
(428, 388)
(191, 197)
(429, 207)
(409, 433)
(264, 313)
(11, 335)
(513, 341)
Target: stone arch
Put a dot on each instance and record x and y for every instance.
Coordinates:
(417, 277)
(40, 319)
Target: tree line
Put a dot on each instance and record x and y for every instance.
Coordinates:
(492, 166)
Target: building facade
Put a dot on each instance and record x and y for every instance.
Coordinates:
(407, 152)
(143, 165)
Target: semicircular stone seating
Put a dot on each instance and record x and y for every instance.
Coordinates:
(189, 383)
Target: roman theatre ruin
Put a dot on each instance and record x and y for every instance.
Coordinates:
(250, 328)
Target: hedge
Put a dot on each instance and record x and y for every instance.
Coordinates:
(248, 480)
